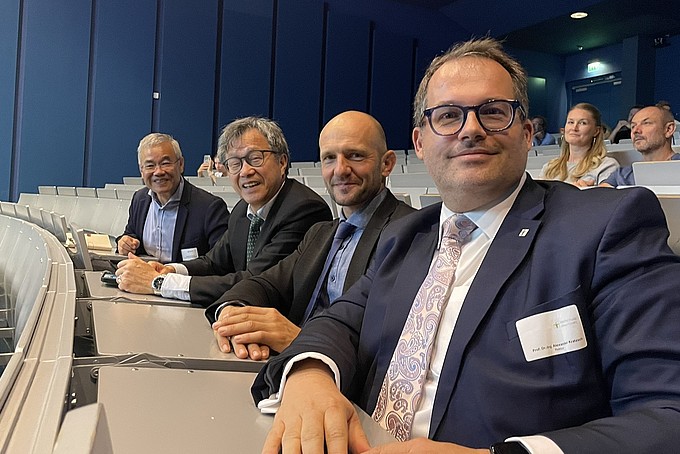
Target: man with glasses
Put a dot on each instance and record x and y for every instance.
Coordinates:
(265, 226)
(527, 315)
(265, 311)
(171, 219)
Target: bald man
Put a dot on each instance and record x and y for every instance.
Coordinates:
(652, 130)
(265, 312)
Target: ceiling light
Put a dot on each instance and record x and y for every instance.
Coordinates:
(579, 15)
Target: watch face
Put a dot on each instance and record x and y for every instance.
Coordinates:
(157, 282)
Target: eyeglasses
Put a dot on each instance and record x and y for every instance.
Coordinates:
(254, 158)
(165, 166)
(494, 115)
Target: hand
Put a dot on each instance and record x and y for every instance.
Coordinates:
(622, 123)
(420, 445)
(584, 182)
(254, 325)
(160, 268)
(313, 409)
(135, 275)
(204, 169)
(127, 244)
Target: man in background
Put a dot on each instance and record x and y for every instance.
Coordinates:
(541, 135)
(264, 312)
(265, 226)
(652, 130)
(171, 219)
(622, 128)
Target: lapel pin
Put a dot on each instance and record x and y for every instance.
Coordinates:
(523, 232)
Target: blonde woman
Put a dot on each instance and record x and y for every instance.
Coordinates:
(583, 161)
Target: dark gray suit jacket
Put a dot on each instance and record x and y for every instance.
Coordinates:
(289, 285)
(294, 211)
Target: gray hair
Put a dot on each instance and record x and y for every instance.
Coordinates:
(268, 128)
(485, 48)
(154, 139)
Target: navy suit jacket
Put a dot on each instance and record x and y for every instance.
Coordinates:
(295, 209)
(201, 220)
(602, 250)
(288, 286)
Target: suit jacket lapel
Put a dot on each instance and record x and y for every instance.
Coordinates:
(272, 218)
(507, 251)
(368, 239)
(182, 216)
(238, 234)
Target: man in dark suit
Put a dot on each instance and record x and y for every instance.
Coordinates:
(170, 219)
(264, 227)
(557, 323)
(265, 311)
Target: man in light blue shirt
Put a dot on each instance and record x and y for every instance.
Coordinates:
(652, 131)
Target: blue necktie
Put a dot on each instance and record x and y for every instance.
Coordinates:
(320, 295)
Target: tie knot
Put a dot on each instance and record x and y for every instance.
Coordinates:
(458, 227)
(345, 229)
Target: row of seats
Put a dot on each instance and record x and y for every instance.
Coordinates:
(38, 298)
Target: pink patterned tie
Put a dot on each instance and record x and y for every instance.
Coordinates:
(402, 387)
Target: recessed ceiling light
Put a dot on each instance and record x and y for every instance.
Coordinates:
(579, 15)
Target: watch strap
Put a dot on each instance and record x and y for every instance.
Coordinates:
(508, 447)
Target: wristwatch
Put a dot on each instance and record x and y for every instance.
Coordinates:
(157, 283)
(508, 447)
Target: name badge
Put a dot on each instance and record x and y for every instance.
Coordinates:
(551, 333)
(189, 254)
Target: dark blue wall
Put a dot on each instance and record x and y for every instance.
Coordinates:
(667, 85)
(9, 33)
(77, 77)
(121, 93)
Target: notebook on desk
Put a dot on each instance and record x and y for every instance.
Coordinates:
(98, 242)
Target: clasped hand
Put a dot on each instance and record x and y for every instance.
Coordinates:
(253, 331)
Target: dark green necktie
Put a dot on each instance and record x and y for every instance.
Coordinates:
(253, 234)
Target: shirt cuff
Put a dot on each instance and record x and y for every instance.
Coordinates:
(536, 444)
(176, 286)
(179, 268)
(225, 304)
(271, 405)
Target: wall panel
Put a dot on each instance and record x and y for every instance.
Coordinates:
(392, 80)
(53, 93)
(347, 53)
(187, 76)
(9, 39)
(122, 87)
(297, 86)
(245, 76)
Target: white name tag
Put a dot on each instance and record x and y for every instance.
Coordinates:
(551, 333)
(189, 254)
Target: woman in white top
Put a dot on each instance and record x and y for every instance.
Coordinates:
(583, 161)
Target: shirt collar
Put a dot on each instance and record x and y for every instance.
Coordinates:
(488, 220)
(362, 216)
(174, 198)
(263, 212)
